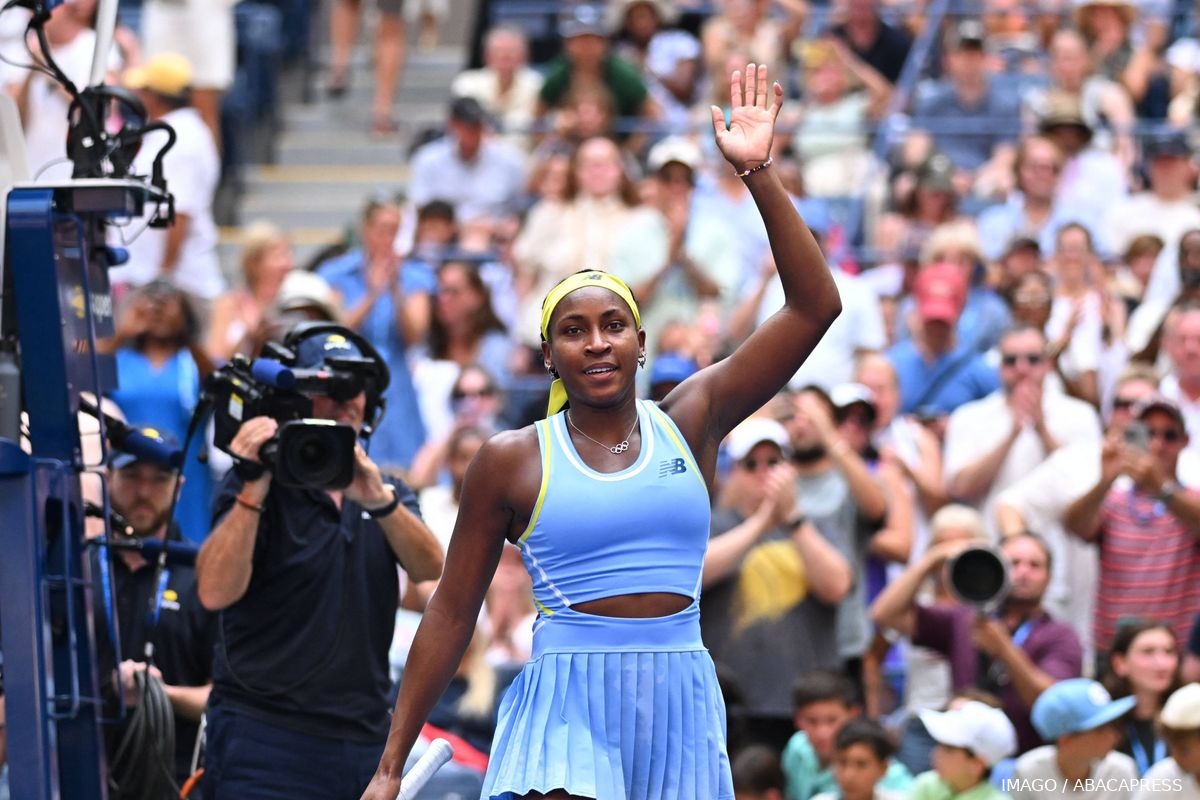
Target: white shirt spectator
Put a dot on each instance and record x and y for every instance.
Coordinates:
(434, 381)
(667, 49)
(488, 186)
(439, 510)
(1169, 221)
(1169, 386)
(1144, 321)
(1087, 340)
(859, 327)
(47, 105)
(1039, 768)
(642, 250)
(980, 426)
(1092, 183)
(928, 685)
(12, 46)
(878, 794)
(514, 109)
(1166, 781)
(1042, 497)
(192, 168)
(200, 30)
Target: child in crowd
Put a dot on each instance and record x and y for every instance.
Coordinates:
(1080, 717)
(822, 702)
(756, 774)
(1177, 777)
(971, 740)
(864, 751)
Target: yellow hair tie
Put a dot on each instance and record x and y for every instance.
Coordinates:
(581, 280)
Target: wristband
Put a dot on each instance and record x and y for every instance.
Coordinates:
(753, 170)
(386, 510)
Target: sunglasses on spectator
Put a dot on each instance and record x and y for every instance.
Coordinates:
(1011, 359)
(751, 464)
(1031, 298)
(486, 391)
(1168, 435)
(1123, 403)
(1046, 165)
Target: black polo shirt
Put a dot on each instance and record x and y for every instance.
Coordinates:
(181, 629)
(306, 647)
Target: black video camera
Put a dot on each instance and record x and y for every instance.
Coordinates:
(306, 452)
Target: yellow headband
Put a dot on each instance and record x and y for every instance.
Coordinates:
(581, 280)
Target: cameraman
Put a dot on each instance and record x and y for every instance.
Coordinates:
(306, 581)
(1015, 654)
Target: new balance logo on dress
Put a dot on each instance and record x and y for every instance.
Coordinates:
(672, 466)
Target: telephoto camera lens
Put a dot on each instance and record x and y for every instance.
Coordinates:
(979, 577)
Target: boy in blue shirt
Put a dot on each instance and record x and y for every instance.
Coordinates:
(864, 758)
(822, 702)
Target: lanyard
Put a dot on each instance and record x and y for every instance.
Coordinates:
(1022, 633)
(1139, 750)
(993, 673)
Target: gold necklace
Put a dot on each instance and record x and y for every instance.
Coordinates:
(616, 449)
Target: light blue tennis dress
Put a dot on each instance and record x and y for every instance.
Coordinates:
(614, 708)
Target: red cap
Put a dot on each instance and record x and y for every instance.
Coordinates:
(941, 292)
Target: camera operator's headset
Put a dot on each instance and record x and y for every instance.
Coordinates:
(377, 382)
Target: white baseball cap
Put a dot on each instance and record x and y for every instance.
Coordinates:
(1182, 709)
(744, 437)
(678, 149)
(975, 726)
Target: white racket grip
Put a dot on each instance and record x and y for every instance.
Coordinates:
(439, 753)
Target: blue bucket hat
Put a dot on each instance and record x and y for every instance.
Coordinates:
(1075, 705)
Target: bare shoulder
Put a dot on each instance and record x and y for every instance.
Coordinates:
(508, 471)
(510, 447)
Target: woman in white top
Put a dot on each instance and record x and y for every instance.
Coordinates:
(561, 238)
(843, 99)
(43, 102)
(1079, 312)
(239, 314)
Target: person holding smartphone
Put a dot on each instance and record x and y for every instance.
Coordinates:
(1147, 526)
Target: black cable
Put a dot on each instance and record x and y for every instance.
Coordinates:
(33, 66)
(143, 764)
(46, 65)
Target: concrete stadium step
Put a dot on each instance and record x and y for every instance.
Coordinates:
(327, 161)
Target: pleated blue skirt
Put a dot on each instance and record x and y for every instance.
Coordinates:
(613, 709)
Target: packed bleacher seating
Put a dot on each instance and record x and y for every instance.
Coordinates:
(1006, 194)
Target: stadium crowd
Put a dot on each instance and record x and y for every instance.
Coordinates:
(1007, 203)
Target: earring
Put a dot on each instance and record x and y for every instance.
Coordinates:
(553, 372)
(642, 360)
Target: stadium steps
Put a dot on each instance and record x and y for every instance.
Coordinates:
(326, 161)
